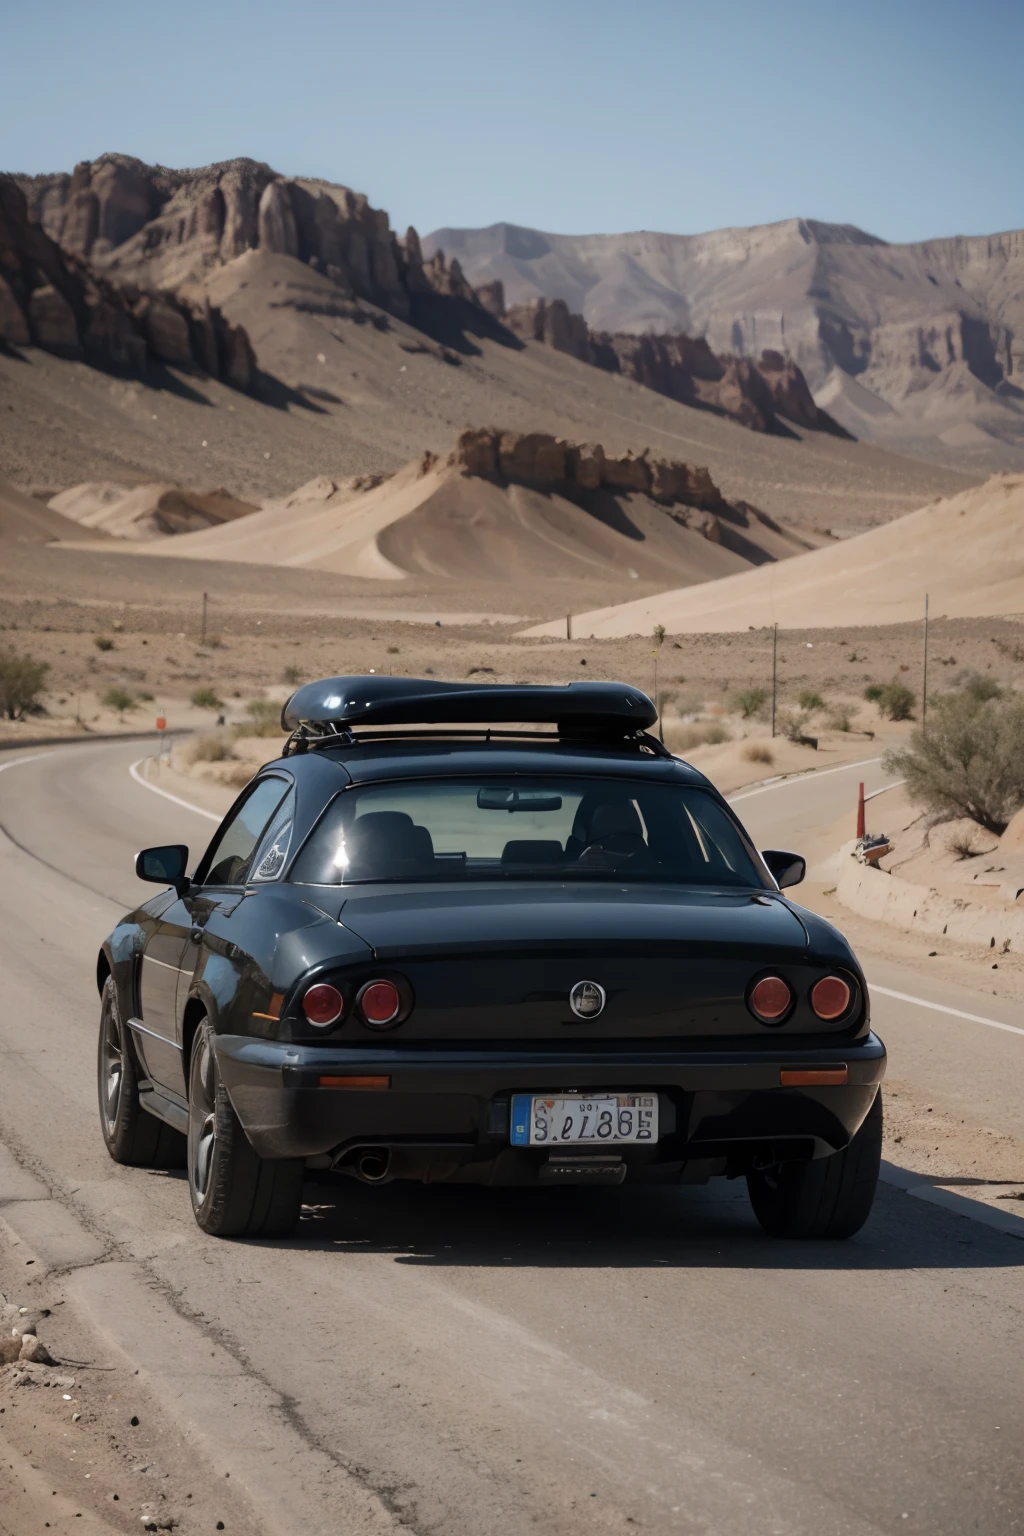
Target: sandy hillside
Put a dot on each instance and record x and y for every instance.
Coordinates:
(147, 511)
(29, 521)
(433, 519)
(967, 552)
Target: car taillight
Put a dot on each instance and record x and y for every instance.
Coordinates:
(770, 999)
(322, 1004)
(830, 997)
(379, 1002)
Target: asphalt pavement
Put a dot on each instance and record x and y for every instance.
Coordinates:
(466, 1361)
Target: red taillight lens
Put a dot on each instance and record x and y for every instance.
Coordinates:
(379, 1003)
(830, 997)
(323, 1004)
(770, 999)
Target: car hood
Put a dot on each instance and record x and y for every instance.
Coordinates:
(438, 920)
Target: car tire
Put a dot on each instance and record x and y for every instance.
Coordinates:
(234, 1192)
(132, 1136)
(829, 1197)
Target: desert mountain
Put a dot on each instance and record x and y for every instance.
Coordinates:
(918, 347)
(366, 353)
(966, 552)
(507, 507)
(147, 511)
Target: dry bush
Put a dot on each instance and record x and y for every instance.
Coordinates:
(237, 774)
(21, 682)
(703, 733)
(264, 719)
(205, 697)
(750, 701)
(962, 844)
(839, 718)
(791, 723)
(896, 701)
(810, 700)
(758, 752)
(968, 762)
(206, 749)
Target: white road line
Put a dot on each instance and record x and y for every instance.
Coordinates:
(956, 1013)
(137, 776)
(800, 778)
(16, 762)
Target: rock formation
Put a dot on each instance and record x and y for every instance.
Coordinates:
(54, 299)
(159, 229)
(754, 393)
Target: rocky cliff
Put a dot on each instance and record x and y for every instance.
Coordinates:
(756, 392)
(54, 299)
(160, 228)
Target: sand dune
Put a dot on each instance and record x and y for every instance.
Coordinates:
(430, 520)
(147, 511)
(966, 552)
(24, 518)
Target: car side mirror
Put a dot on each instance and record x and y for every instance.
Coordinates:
(785, 868)
(164, 866)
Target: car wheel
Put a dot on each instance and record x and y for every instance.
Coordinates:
(133, 1137)
(828, 1197)
(234, 1193)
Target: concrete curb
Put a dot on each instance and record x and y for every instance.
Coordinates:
(922, 1188)
(921, 909)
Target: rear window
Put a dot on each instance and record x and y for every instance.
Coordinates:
(525, 828)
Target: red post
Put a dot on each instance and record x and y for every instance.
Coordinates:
(860, 810)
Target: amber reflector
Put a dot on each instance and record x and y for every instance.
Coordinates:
(814, 1077)
(830, 997)
(355, 1082)
(379, 1003)
(322, 1004)
(770, 999)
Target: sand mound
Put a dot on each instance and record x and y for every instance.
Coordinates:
(430, 519)
(967, 552)
(147, 511)
(22, 517)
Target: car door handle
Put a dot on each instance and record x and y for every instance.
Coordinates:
(196, 936)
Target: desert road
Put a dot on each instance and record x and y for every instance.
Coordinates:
(487, 1363)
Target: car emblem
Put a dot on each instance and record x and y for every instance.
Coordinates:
(587, 999)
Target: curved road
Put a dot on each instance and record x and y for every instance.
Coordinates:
(471, 1361)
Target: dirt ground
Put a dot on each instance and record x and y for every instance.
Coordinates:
(84, 1448)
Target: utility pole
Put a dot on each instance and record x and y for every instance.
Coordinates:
(568, 626)
(924, 682)
(202, 637)
(775, 670)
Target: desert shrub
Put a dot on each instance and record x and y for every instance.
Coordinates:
(205, 698)
(791, 723)
(237, 774)
(659, 634)
(292, 675)
(264, 719)
(839, 718)
(896, 701)
(750, 700)
(207, 749)
(873, 692)
(978, 687)
(758, 752)
(392, 650)
(21, 682)
(704, 733)
(810, 700)
(962, 844)
(103, 643)
(120, 699)
(968, 761)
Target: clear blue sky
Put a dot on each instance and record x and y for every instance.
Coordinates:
(902, 116)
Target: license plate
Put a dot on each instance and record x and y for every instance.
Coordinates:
(603, 1121)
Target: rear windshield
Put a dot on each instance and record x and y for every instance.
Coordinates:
(527, 828)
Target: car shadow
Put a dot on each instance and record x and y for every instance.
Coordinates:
(709, 1227)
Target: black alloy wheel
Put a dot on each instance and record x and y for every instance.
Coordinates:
(829, 1197)
(234, 1192)
(132, 1137)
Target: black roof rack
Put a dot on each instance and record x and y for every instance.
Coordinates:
(332, 706)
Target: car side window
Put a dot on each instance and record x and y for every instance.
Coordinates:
(236, 841)
(272, 852)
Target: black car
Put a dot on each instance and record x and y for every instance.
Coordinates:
(488, 955)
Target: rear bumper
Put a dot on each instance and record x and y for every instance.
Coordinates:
(711, 1101)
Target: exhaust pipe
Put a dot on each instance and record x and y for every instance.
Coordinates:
(373, 1164)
